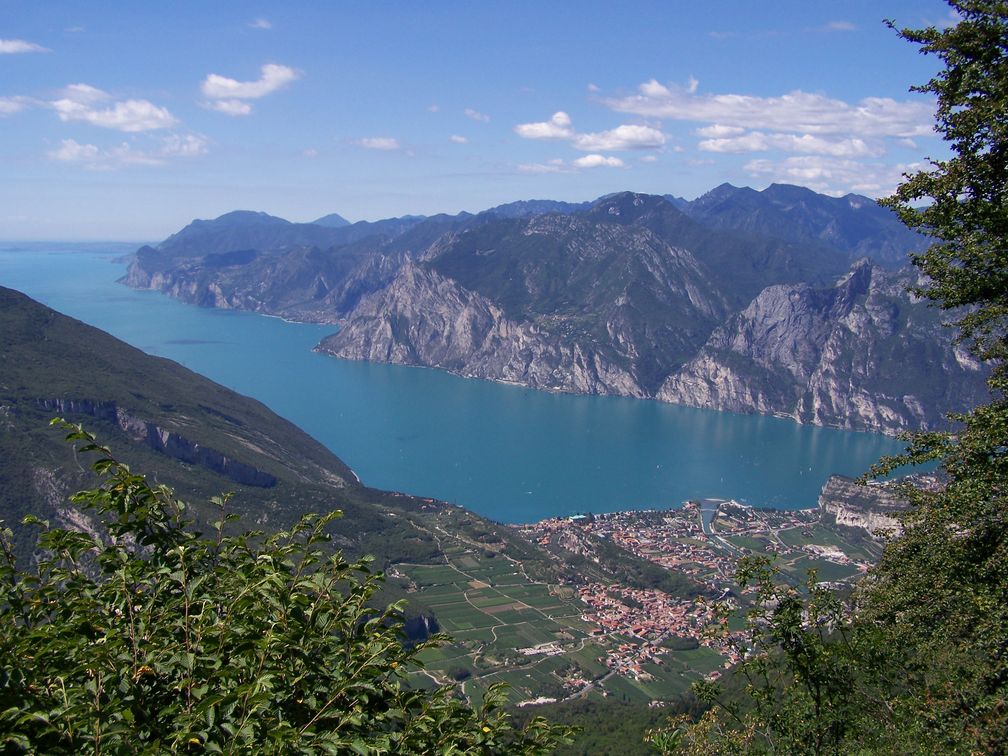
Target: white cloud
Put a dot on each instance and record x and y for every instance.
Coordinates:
(85, 93)
(625, 137)
(593, 87)
(831, 175)
(841, 26)
(458, 139)
(756, 141)
(183, 145)
(226, 94)
(71, 151)
(476, 115)
(379, 143)
(230, 107)
(80, 103)
(795, 111)
(553, 166)
(12, 105)
(433, 108)
(649, 159)
(311, 152)
(557, 127)
(557, 165)
(92, 157)
(598, 161)
(16, 46)
(718, 130)
(260, 23)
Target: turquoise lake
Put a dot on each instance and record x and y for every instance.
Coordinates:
(511, 454)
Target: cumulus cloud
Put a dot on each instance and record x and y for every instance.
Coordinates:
(718, 130)
(831, 175)
(226, 95)
(18, 46)
(82, 102)
(457, 139)
(71, 151)
(123, 155)
(557, 165)
(795, 111)
(598, 161)
(230, 107)
(12, 105)
(183, 145)
(624, 137)
(553, 166)
(476, 115)
(557, 127)
(756, 141)
(379, 143)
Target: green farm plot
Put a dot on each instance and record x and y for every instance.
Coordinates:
(825, 570)
(699, 661)
(757, 545)
(434, 658)
(815, 534)
(664, 683)
(587, 659)
(442, 593)
(433, 575)
(522, 636)
(487, 634)
(533, 595)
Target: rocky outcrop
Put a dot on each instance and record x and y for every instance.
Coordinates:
(861, 354)
(423, 318)
(872, 507)
(727, 306)
(167, 442)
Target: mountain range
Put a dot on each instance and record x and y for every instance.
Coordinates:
(781, 301)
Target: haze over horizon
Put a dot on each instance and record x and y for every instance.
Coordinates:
(126, 122)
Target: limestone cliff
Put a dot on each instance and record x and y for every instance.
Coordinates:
(861, 354)
(423, 318)
(169, 443)
(871, 507)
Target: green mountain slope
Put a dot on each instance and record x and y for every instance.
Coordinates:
(178, 427)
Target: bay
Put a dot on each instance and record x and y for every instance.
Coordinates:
(508, 453)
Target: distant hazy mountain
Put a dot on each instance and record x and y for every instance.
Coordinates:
(332, 220)
(524, 208)
(631, 294)
(855, 225)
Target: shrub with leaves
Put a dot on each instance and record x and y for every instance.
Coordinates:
(145, 636)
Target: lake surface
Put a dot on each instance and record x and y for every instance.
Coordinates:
(509, 453)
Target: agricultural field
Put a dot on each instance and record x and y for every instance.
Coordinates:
(505, 626)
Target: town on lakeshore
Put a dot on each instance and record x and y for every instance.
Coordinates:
(635, 604)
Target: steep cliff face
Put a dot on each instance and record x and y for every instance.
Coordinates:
(169, 443)
(423, 318)
(728, 302)
(872, 507)
(861, 354)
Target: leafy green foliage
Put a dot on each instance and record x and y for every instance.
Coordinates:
(918, 660)
(148, 637)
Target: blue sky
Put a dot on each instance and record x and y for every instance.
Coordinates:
(128, 120)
